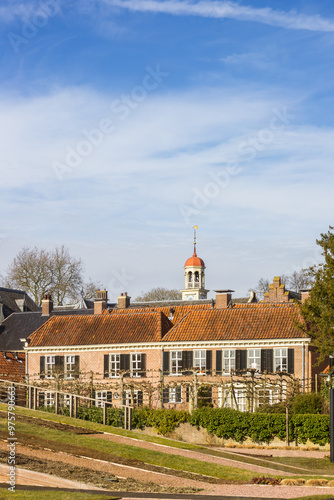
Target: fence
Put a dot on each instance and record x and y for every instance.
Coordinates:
(63, 403)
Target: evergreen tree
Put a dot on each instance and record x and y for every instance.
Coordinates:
(318, 309)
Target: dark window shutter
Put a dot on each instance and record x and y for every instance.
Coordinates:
(142, 372)
(76, 366)
(267, 360)
(109, 397)
(187, 394)
(219, 362)
(240, 359)
(165, 362)
(190, 359)
(187, 360)
(270, 360)
(178, 394)
(124, 398)
(125, 363)
(41, 399)
(140, 398)
(59, 365)
(93, 396)
(208, 362)
(291, 360)
(42, 369)
(106, 366)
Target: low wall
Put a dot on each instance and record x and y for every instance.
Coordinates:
(191, 434)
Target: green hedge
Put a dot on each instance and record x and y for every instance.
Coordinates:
(223, 422)
(261, 427)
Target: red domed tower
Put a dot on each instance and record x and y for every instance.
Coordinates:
(194, 275)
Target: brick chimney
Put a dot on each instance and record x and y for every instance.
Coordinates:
(100, 301)
(223, 298)
(47, 305)
(305, 295)
(123, 301)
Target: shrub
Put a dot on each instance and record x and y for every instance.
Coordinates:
(268, 408)
(265, 480)
(162, 420)
(310, 402)
(290, 482)
(312, 427)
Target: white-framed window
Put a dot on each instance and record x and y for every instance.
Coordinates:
(49, 398)
(200, 361)
(232, 398)
(115, 364)
(175, 395)
(281, 360)
(228, 361)
(254, 359)
(176, 362)
(269, 396)
(65, 399)
(50, 363)
(136, 364)
(100, 398)
(134, 397)
(69, 366)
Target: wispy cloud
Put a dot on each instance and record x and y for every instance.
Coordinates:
(229, 10)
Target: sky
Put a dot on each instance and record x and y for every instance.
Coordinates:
(124, 123)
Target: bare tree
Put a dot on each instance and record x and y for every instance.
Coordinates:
(89, 289)
(295, 282)
(66, 275)
(40, 271)
(31, 271)
(299, 280)
(159, 294)
(261, 288)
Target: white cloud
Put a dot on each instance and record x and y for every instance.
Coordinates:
(231, 10)
(135, 181)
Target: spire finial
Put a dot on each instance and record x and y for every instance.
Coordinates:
(195, 227)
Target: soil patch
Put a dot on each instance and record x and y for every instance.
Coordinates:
(90, 476)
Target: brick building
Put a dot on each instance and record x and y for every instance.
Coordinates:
(229, 353)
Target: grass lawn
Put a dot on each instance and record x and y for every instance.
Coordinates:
(51, 495)
(108, 450)
(100, 427)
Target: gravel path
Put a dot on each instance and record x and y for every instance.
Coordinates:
(189, 454)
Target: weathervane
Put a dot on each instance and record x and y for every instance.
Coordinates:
(195, 227)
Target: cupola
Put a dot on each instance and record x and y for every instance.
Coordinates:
(194, 276)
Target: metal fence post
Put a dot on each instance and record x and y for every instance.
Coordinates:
(331, 423)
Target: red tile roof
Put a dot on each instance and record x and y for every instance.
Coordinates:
(241, 322)
(12, 368)
(101, 329)
(178, 311)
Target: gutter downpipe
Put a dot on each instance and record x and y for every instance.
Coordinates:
(162, 378)
(303, 367)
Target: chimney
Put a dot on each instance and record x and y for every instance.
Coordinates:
(47, 305)
(223, 298)
(100, 301)
(123, 301)
(305, 295)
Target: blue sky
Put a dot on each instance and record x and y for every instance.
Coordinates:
(125, 123)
